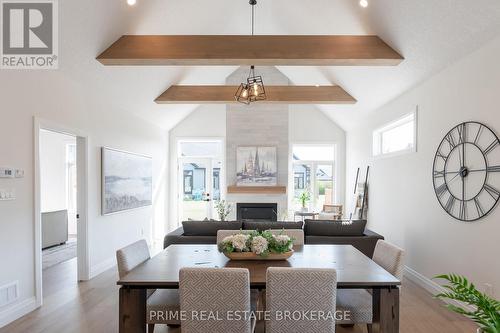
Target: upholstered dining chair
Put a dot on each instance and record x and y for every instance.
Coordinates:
(359, 301)
(164, 301)
(298, 290)
(222, 292)
(296, 234)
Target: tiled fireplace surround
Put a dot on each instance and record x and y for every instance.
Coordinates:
(257, 125)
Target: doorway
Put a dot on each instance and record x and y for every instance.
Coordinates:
(61, 164)
(200, 179)
(58, 185)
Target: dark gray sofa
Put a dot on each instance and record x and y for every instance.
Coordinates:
(315, 232)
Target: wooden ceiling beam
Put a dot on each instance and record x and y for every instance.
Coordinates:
(262, 50)
(275, 94)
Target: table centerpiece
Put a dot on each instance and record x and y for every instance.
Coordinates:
(257, 245)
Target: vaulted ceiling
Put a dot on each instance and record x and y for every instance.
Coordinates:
(429, 34)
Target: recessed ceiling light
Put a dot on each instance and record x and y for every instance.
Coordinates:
(363, 3)
(131, 2)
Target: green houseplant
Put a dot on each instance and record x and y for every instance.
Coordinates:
(223, 209)
(304, 198)
(486, 311)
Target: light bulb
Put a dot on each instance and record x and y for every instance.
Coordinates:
(131, 2)
(363, 3)
(256, 89)
(244, 93)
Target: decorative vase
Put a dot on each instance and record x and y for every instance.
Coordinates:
(304, 209)
(253, 256)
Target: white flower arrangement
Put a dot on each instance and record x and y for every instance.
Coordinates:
(283, 240)
(260, 243)
(239, 242)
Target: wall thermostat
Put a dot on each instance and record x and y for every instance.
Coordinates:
(7, 172)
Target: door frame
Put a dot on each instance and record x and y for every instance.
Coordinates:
(83, 257)
(175, 158)
(207, 161)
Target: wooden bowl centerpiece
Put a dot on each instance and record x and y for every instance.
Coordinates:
(257, 246)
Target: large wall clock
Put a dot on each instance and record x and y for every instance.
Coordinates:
(466, 171)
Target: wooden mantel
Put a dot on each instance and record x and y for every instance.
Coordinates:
(262, 50)
(212, 94)
(256, 189)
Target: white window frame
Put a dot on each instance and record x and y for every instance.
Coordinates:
(313, 164)
(177, 180)
(377, 134)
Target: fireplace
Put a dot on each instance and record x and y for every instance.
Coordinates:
(257, 211)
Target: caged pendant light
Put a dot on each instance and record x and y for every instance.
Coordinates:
(253, 89)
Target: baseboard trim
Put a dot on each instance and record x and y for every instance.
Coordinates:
(102, 267)
(17, 310)
(432, 287)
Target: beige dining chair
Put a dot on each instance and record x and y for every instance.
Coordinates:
(297, 290)
(164, 301)
(222, 292)
(221, 234)
(296, 234)
(359, 301)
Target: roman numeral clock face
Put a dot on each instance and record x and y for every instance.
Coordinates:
(466, 171)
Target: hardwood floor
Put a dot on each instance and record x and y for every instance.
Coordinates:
(92, 306)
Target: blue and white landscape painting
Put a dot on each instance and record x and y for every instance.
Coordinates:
(127, 181)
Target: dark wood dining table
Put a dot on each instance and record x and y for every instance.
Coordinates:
(354, 270)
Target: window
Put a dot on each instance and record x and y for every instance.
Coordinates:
(313, 171)
(396, 137)
(200, 149)
(188, 182)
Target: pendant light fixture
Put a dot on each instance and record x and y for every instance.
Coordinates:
(253, 89)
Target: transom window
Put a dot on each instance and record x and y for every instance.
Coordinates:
(398, 136)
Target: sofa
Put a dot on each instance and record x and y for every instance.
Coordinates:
(315, 232)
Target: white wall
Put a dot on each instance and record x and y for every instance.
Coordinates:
(73, 96)
(53, 170)
(207, 121)
(403, 206)
(307, 124)
(53, 174)
(310, 125)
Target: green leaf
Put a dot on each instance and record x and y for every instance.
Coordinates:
(459, 288)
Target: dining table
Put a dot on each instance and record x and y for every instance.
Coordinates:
(354, 271)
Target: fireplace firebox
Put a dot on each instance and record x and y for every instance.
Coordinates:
(257, 211)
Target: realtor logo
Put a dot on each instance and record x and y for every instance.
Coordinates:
(29, 34)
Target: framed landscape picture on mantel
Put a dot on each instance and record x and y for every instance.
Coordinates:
(127, 181)
(256, 166)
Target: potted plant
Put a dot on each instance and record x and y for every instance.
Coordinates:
(223, 209)
(486, 311)
(304, 198)
(257, 245)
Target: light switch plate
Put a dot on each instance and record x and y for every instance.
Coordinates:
(19, 173)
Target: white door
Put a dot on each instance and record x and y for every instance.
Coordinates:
(199, 187)
(81, 209)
